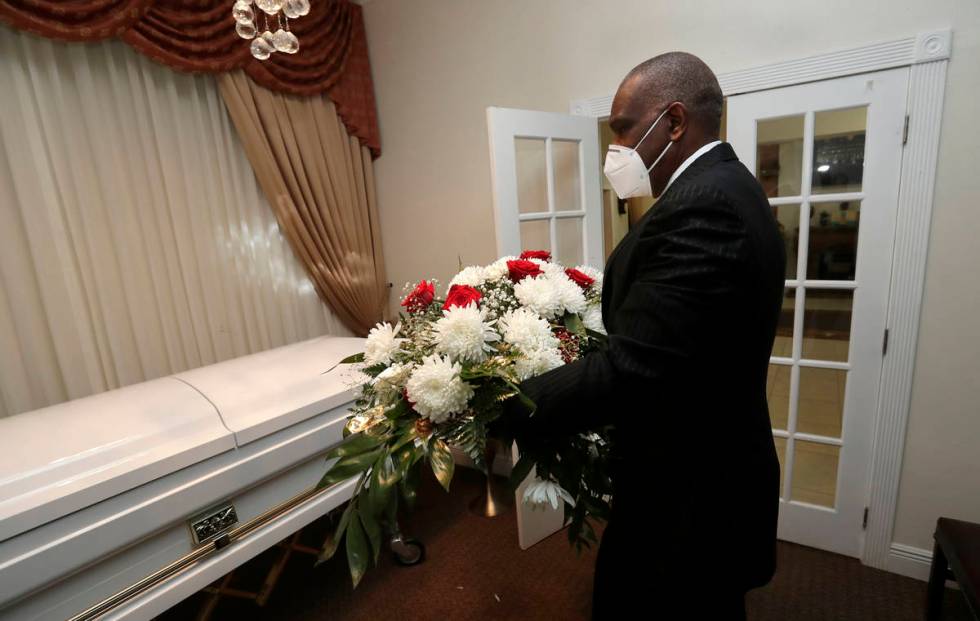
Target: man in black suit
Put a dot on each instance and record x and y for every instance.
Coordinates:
(691, 300)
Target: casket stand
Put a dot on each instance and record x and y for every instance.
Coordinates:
(119, 505)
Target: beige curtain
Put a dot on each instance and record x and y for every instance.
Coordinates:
(320, 182)
(134, 240)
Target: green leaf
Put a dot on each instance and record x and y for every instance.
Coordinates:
(374, 370)
(356, 358)
(400, 409)
(391, 511)
(408, 436)
(354, 444)
(442, 463)
(405, 458)
(333, 541)
(409, 484)
(383, 480)
(373, 531)
(573, 323)
(357, 551)
(348, 467)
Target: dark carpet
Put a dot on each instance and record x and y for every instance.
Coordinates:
(475, 570)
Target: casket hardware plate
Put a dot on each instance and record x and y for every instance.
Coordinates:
(231, 536)
(213, 523)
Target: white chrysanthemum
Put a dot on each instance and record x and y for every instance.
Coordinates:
(570, 295)
(527, 331)
(464, 333)
(389, 383)
(592, 318)
(474, 276)
(381, 343)
(549, 268)
(498, 269)
(537, 361)
(592, 273)
(540, 493)
(540, 295)
(437, 390)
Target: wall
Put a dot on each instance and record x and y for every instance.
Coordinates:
(438, 65)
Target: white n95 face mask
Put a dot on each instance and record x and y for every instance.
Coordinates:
(625, 169)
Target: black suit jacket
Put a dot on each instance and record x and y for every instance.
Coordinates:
(691, 299)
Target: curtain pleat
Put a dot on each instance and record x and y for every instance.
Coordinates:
(135, 242)
(318, 179)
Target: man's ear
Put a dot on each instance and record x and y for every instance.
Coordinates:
(678, 117)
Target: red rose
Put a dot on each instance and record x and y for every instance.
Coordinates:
(544, 255)
(419, 299)
(580, 278)
(461, 295)
(521, 269)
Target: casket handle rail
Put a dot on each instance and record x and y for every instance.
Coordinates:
(232, 536)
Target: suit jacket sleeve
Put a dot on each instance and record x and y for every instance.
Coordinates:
(681, 273)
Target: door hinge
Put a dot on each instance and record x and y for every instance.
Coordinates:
(905, 132)
(884, 343)
(864, 522)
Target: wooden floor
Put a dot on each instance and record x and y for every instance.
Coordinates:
(475, 570)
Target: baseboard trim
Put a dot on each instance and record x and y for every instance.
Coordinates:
(909, 561)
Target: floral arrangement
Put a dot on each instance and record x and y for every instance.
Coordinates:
(440, 378)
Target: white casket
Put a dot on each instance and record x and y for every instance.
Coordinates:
(121, 504)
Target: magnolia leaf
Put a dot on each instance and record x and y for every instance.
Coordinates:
(405, 458)
(357, 550)
(333, 541)
(442, 463)
(373, 531)
(406, 438)
(391, 511)
(347, 468)
(409, 484)
(383, 480)
(354, 444)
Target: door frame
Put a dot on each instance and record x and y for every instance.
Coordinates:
(927, 54)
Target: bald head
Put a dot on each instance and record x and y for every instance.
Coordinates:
(683, 92)
(683, 77)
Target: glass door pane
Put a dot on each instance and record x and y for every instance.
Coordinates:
(779, 160)
(530, 155)
(568, 232)
(808, 378)
(568, 180)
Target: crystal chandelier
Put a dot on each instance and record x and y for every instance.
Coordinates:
(268, 42)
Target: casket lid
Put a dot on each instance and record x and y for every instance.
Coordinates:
(69, 456)
(260, 394)
(63, 458)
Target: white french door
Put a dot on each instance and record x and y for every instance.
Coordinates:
(546, 196)
(828, 155)
(546, 191)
